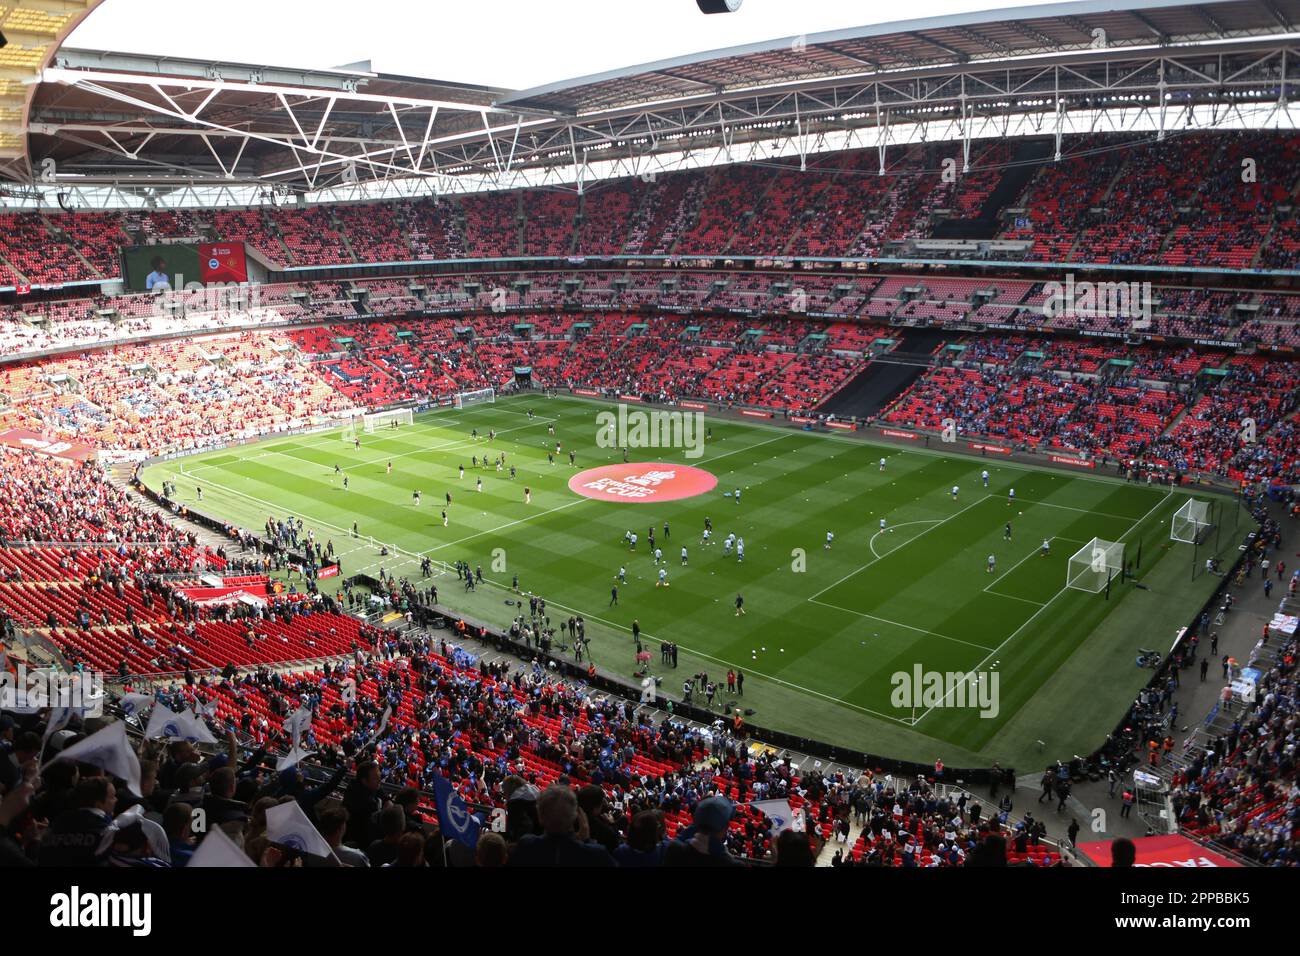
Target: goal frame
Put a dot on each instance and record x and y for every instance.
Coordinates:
(1095, 565)
(478, 396)
(1190, 522)
(373, 421)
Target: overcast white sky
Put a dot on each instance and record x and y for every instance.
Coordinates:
(511, 43)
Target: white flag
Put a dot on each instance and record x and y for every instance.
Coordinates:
(194, 729)
(218, 850)
(156, 835)
(287, 825)
(383, 724)
(294, 756)
(778, 811)
(295, 725)
(164, 722)
(132, 704)
(59, 718)
(183, 726)
(108, 749)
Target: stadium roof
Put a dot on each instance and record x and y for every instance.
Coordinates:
(138, 123)
(967, 38)
(34, 29)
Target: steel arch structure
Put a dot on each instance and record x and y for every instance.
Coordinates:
(112, 130)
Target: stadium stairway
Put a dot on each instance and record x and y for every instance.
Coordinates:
(120, 475)
(830, 846)
(886, 377)
(1024, 166)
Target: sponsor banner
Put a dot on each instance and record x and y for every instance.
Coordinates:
(1067, 460)
(802, 420)
(991, 449)
(642, 482)
(753, 414)
(1161, 851)
(222, 262)
(842, 426)
(699, 406)
(590, 393)
(894, 433)
(250, 593)
(328, 571)
(629, 398)
(25, 439)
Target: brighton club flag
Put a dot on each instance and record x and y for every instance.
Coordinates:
(453, 816)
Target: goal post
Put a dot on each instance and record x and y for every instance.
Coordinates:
(1094, 565)
(393, 417)
(1190, 522)
(481, 396)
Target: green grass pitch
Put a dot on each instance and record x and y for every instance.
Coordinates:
(826, 630)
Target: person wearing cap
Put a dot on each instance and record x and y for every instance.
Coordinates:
(190, 780)
(704, 843)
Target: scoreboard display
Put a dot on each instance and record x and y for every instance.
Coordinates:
(151, 268)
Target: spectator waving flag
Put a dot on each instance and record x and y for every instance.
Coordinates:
(383, 725)
(288, 826)
(109, 750)
(453, 816)
(296, 724)
(59, 718)
(163, 722)
(194, 729)
(778, 811)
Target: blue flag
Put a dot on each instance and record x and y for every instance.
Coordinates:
(453, 816)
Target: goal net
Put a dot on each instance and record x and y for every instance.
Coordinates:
(389, 419)
(482, 396)
(352, 428)
(1094, 565)
(1190, 522)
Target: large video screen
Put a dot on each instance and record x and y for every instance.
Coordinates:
(145, 268)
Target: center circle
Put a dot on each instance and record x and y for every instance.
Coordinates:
(642, 482)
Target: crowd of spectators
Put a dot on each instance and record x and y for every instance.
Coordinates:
(1110, 199)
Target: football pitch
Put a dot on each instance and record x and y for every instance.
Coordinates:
(843, 644)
